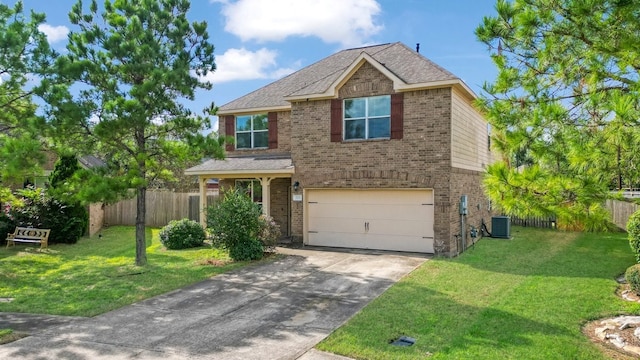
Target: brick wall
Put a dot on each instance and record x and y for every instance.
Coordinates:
(280, 202)
(467, 182)
(420, 160)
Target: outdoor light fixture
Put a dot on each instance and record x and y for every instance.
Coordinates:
(296, 186)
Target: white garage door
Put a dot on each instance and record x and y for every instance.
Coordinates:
(400, 220)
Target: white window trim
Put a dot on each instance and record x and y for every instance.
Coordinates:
(366, 119)
(251, 132)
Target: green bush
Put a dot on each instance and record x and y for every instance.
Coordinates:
(269, 232)
(182, 234)
(632, 275)
(7, 225)
(250, 249)
(234, 223)
(633, 229)
(68, 222)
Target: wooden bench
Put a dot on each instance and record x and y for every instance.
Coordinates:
(29, 235)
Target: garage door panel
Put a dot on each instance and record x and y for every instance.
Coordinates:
(397, 219)
(372, 241)
(399, 228)
(371, 211)
(333, 224)
(400, 243)
(333, 239)
(363, 197)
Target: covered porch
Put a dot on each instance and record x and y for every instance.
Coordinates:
(264, 169)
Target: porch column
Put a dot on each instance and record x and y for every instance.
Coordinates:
(266, 195)
(203, 200)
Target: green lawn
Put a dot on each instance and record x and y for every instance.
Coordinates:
(525, 298)
(97, 274)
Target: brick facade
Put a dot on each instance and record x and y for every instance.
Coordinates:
(421, 159)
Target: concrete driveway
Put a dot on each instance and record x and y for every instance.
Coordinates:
(277, 310)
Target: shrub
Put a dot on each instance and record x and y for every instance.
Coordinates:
(68, 222)
(269, 232)
(234, 223)
(633, 229)
(7, 225)
(632, 275)
(182, 234)
(250, 249)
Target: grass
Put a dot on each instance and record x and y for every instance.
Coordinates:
(525, 298)
(97, 275)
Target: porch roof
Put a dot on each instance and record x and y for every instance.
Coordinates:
(245, 166)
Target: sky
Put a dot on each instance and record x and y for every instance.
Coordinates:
(259, 41)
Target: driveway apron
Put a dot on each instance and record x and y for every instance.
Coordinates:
(274, 310)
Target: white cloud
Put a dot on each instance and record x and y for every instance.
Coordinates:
(346, 22)
(242, 64)
(54, 33)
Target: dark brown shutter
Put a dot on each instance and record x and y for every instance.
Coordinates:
(336, 120)
(273, 130)
(397, 114)
(230, 130)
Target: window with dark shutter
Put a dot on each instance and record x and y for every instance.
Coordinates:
(273, 130)
(397, 115)
(229, 130)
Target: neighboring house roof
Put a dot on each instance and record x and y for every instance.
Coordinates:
(249, 165)
(86, 161)
(407, 68)
(91, 162)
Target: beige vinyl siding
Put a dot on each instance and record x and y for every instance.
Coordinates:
(469, 135)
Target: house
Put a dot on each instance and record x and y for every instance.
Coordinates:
(371, 147)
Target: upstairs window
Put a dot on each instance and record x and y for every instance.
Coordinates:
(367, 118)
(252, 131)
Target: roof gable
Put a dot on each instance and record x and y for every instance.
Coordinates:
(406, 68)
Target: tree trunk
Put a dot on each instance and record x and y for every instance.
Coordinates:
(141, 243)
(620, 169)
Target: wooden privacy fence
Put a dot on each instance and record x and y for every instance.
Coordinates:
(537, 222)
(621, 211)
(162, 207)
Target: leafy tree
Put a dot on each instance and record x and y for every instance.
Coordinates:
(566, 97)
(24, 50)
(126, 70)
(65, 168)
(235, 223)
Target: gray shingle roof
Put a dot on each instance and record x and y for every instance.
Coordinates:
(244, 164)
(406, 64)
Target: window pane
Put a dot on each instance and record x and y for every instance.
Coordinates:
(260, 122)
(243, 123)
(379, 128)
(354, 108)
(257, 191)
(354, 129)
(243, 141)
(260, 139)
(380, 106)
